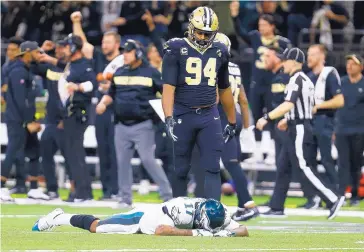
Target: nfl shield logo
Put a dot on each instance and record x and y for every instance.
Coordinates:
(22, 81)
(179, 121)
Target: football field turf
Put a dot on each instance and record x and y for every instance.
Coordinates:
(294, 233)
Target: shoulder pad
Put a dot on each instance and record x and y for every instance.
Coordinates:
(173, 44)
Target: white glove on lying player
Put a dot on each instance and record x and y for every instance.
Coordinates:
(201, 232)
(224, 233)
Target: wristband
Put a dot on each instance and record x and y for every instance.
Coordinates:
(266, 117)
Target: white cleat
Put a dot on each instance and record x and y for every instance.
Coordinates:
(5, 195)
(37, 194)
(270, 160)
(46, 223)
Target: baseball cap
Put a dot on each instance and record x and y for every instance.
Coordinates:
(28, 46)
(295, 54)
(356, 58)
(16, 40)
(72, 39)
(279, 51)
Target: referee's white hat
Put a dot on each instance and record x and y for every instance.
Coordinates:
(295, 54)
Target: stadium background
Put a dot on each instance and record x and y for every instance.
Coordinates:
(49, 20)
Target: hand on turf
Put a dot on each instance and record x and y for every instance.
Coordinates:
(201, 232)
(170, 122)
(224, 233)
(229, 132)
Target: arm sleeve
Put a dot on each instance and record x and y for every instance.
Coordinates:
(223, 76)
(170, 68)
(112, 90)
(246, 36)
(157, 41)
(91, 76)
(157, 81)
(293, 90)
(334, 83)
(61, 64)
(18, 84)
(40, 69)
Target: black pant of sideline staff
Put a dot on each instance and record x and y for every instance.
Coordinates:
(298, 150)
(350, 149)
(74, 129)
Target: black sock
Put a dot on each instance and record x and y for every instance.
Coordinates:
(3, 184)
(33, 184)
(82, 221)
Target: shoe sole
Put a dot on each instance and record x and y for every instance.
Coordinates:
(341, 203)
(30, 197)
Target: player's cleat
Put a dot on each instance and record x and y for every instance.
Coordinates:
(46, 223)
(53, 195)
(245, 214)
(274, 214)
(5, 195)
(354, 202)
(270, 159)
(18, 190)
(336, 207)
(37, 194)
(313, 203)
(71, 197)
(124, 205)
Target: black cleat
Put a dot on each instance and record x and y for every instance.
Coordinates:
(274, 214)
(354, 202)
(71, 197)
(18, 190)
(336, 207)
(245, 214)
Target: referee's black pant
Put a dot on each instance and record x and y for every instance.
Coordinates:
(299, 152)
(350, 148)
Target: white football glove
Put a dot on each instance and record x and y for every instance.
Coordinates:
(224, 233)
(201, 232)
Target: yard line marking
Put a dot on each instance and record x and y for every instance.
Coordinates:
(38, 215)
(202, 250)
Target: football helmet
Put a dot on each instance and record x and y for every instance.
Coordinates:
(204, 22)
(210, 215)
(222, 38)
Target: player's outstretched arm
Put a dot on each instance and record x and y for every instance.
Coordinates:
(241, 231)
(166, 230)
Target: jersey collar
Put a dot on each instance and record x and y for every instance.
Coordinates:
(194, 47)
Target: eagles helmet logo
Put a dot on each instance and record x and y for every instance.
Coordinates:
(202, 28)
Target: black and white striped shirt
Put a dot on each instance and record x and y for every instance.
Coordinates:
(300, 91)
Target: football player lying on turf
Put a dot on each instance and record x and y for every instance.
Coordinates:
(177, 217)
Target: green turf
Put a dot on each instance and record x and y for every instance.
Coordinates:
(291, 234)
(291, 202)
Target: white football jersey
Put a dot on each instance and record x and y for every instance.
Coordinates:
(235, 80)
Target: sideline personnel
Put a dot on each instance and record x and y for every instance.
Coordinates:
(131, 89)
(19, 116)
(80, 82)
(350, 128)
(297, 106)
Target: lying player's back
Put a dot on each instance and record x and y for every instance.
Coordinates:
(192, 71)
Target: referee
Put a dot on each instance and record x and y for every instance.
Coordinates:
(297, 108)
